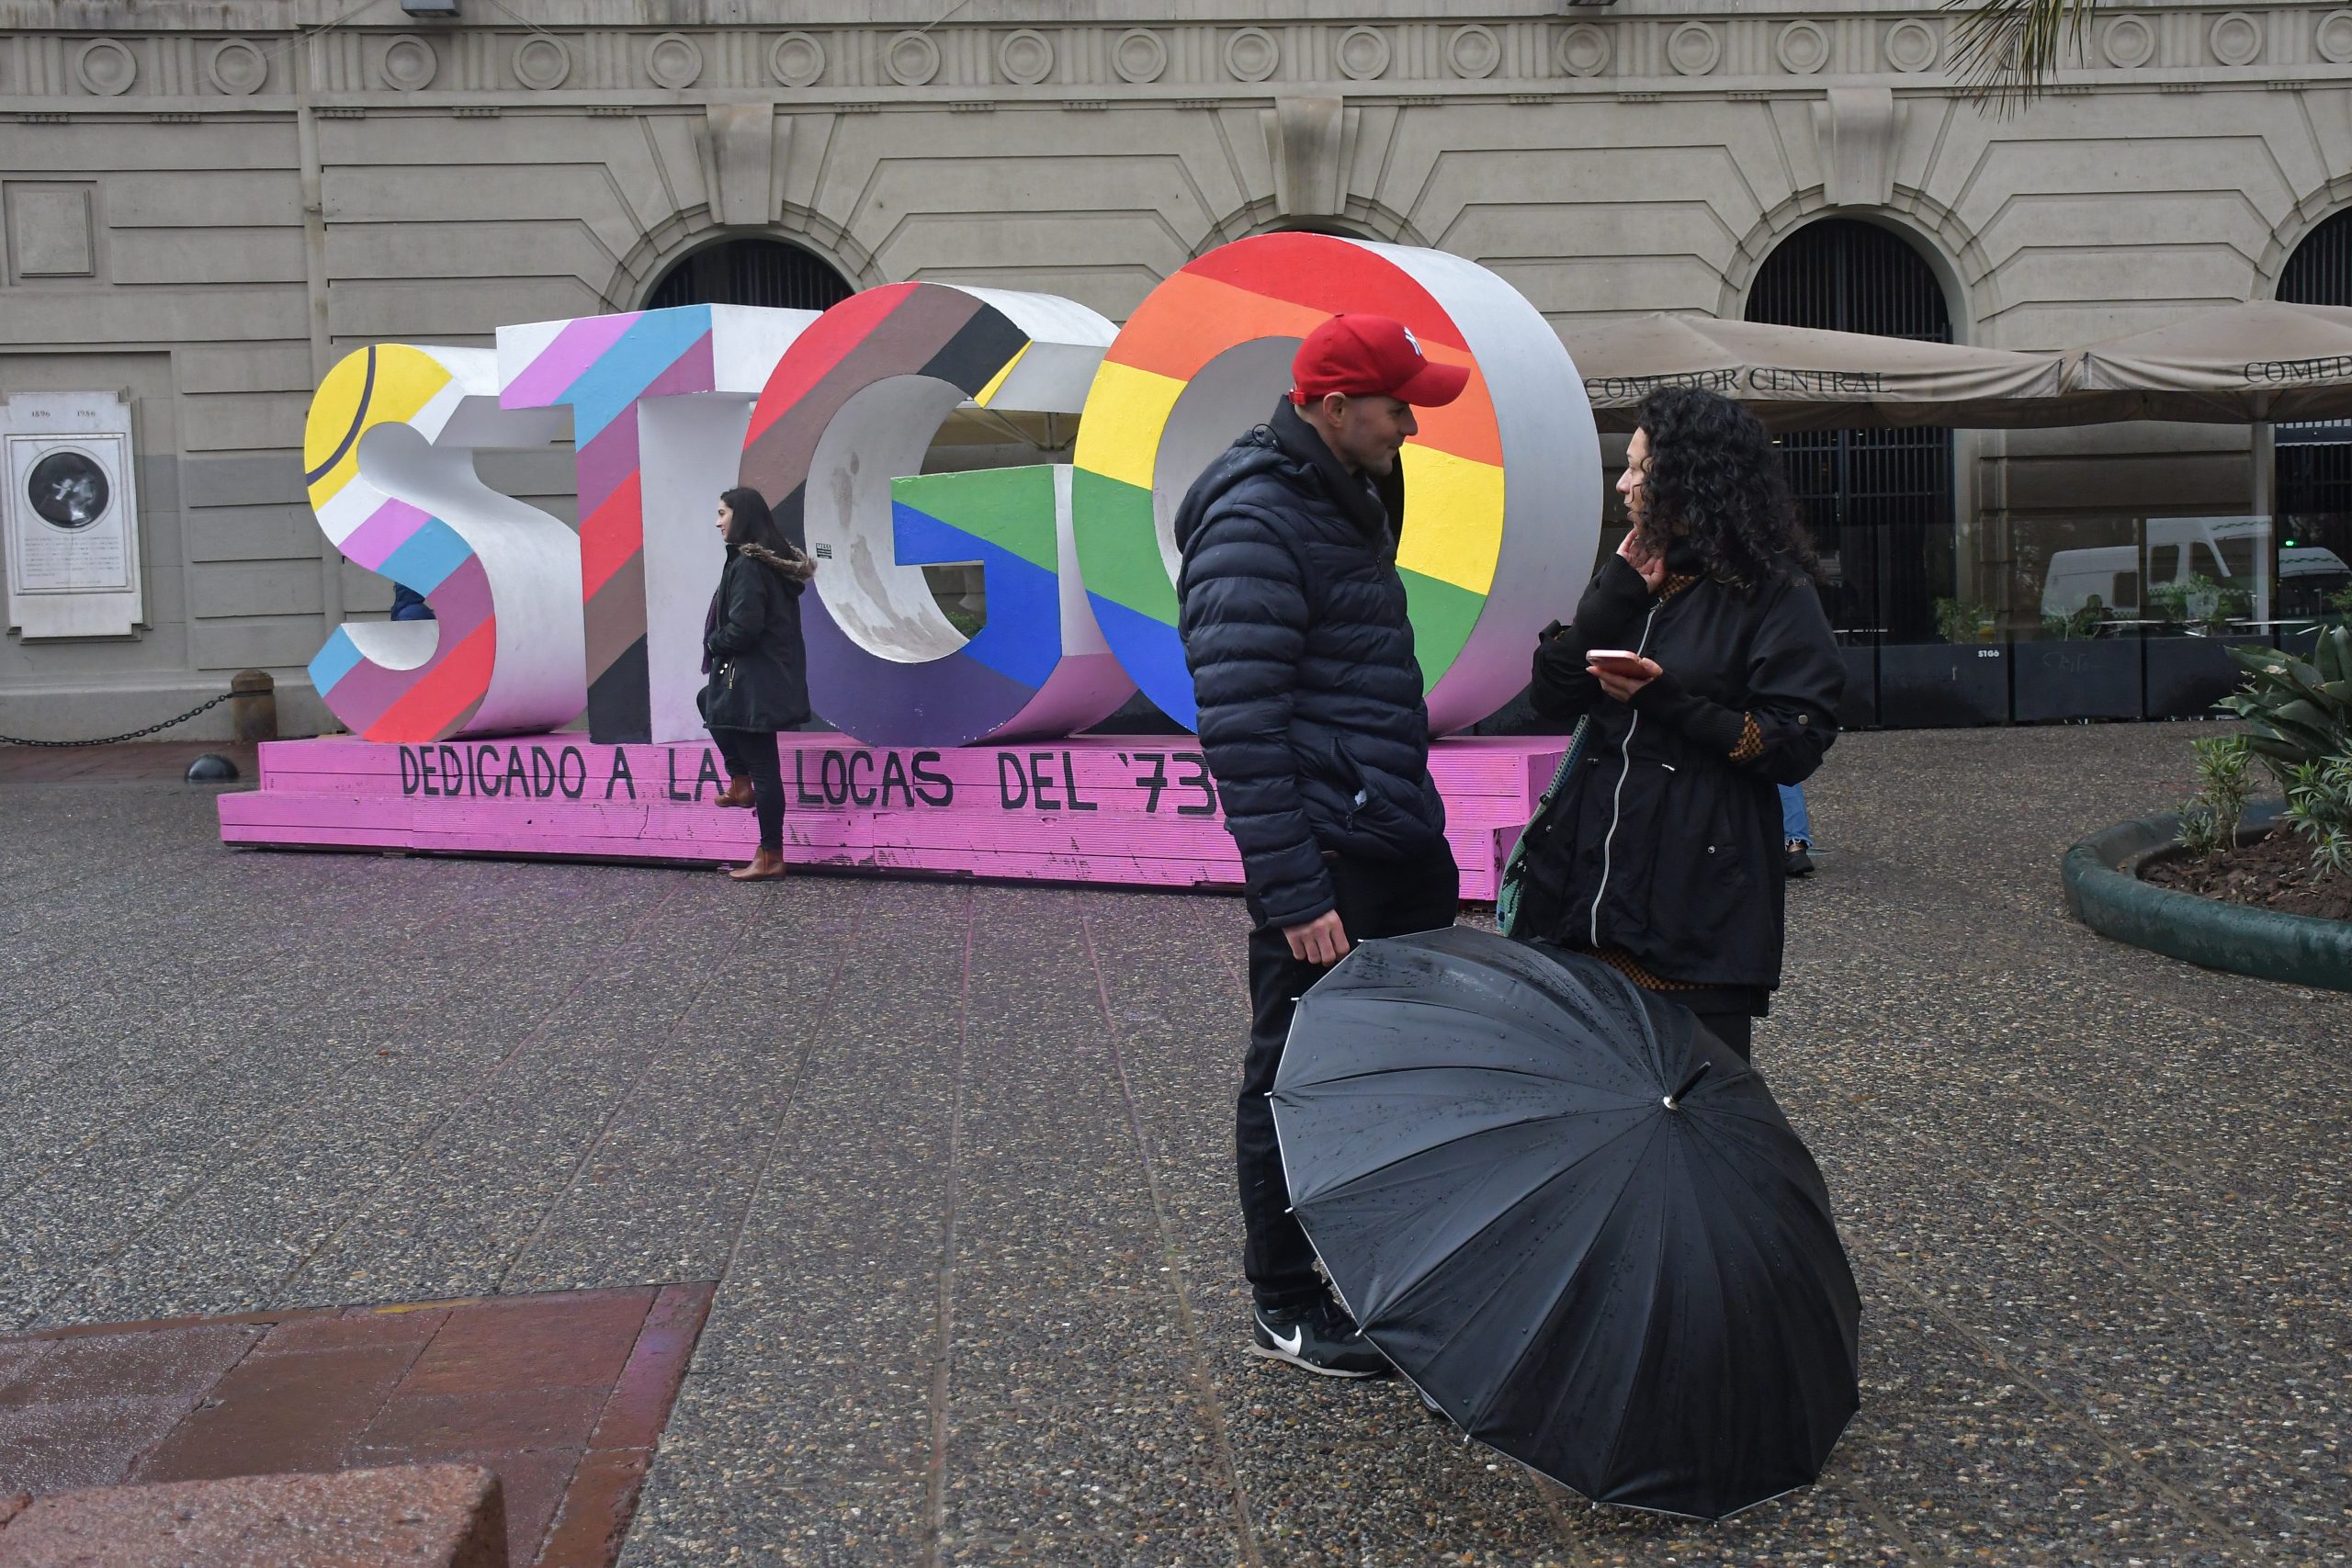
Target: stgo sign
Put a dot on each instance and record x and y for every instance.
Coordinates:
(829, 415)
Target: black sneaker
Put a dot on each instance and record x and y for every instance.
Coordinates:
(1799, 863)
(1319, 1338)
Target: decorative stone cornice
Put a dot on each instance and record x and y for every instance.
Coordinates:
(108, 53)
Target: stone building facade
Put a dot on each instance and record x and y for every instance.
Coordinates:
(206, 203)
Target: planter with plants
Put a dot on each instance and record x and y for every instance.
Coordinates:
(1963, 681)
(2189, 667)
(2261, 888)
(2075, 670)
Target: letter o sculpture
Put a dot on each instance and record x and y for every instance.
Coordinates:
(1502, 486)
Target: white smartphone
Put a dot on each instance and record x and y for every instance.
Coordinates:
(1611, 656)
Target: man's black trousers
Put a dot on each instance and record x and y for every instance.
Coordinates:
(752, 754)
(1376, 898)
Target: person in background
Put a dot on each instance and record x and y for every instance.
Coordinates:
(1701, 660)
(408, 604)
(1293, 623)
(1796, 830)
(757, 665)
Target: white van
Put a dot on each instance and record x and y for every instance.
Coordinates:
(2226, 549)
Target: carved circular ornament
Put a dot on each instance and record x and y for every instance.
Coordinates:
(1583, 51)
(796, 61)
(1363, 54)
(2236, 40)
(1251, 55)
(237, 69)
(1693, 49)
(409, 63)
(2333, 38)
(106, 68)
(674, 61)
(2128, 43)
(542, 63)
(1026, 57)
(1139, 56)
(1802, 48)
(1912, 46)
(911, 59)
(1473, 52)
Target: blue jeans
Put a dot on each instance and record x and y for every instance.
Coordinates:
(1795, 823)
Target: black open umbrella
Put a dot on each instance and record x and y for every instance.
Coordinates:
(1573, 1218)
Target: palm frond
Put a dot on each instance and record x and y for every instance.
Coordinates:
(2008, 50)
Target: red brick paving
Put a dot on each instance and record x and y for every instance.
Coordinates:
(564, 1395)
(443, 1515)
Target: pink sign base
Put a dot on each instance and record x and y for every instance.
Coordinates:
(1135, 811)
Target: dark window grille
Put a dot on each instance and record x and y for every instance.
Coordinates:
(2315, 466)
(752, 272)
(1878, 502)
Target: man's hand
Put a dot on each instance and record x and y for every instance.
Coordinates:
(1620, 681)
(1650, 564)
(1322, 941)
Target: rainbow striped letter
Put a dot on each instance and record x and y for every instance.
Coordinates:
(850, 410)
(389, 452)
(1502, 487)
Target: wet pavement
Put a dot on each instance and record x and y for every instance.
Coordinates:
(958, 1157)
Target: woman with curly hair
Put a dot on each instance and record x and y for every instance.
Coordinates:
(1704, 670)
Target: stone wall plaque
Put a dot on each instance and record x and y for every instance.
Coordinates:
(72, 514)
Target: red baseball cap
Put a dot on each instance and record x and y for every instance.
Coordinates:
(1357, 354)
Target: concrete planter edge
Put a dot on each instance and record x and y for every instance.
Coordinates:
(2105, 894)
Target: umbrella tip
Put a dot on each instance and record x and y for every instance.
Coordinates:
(1674, 1101)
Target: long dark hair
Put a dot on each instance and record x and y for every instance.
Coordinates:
(754, 524)
(1715, 483)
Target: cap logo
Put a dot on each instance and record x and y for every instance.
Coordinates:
(1414, 341)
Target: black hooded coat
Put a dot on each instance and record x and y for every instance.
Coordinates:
(1665, 844)
(751, 646)
(1293, 622)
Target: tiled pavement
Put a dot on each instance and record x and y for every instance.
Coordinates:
(563, 1395)
(956, 1156)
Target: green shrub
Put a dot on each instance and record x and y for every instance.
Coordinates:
(2297, 711)
(2200, 600)
(2319, 807)
(1963, 621)
(2298, 721)
(2209, 824)
(2084, 623)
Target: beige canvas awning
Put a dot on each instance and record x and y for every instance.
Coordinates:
(2225, 364)
(1800, 379)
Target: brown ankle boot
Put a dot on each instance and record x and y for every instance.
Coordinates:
(765, 866)
(739, 791)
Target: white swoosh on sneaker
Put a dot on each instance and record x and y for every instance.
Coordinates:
(1288, 1346)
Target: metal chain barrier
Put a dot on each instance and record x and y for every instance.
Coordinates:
(127, 734)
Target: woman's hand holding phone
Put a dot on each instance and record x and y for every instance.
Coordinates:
(1621, 672)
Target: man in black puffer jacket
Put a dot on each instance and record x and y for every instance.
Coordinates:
(1311, 713)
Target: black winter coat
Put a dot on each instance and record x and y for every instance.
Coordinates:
(759, 669)
(1665, 844)
(1293, 623)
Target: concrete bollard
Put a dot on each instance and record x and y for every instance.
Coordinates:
(253, 712)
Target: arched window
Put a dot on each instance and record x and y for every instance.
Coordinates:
(1878, 502)
(752, 272)
(2313, 476)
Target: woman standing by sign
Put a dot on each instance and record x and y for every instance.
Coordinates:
(758, 668)
(1705, 673)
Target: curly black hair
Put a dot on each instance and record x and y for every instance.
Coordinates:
(1716, 481)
